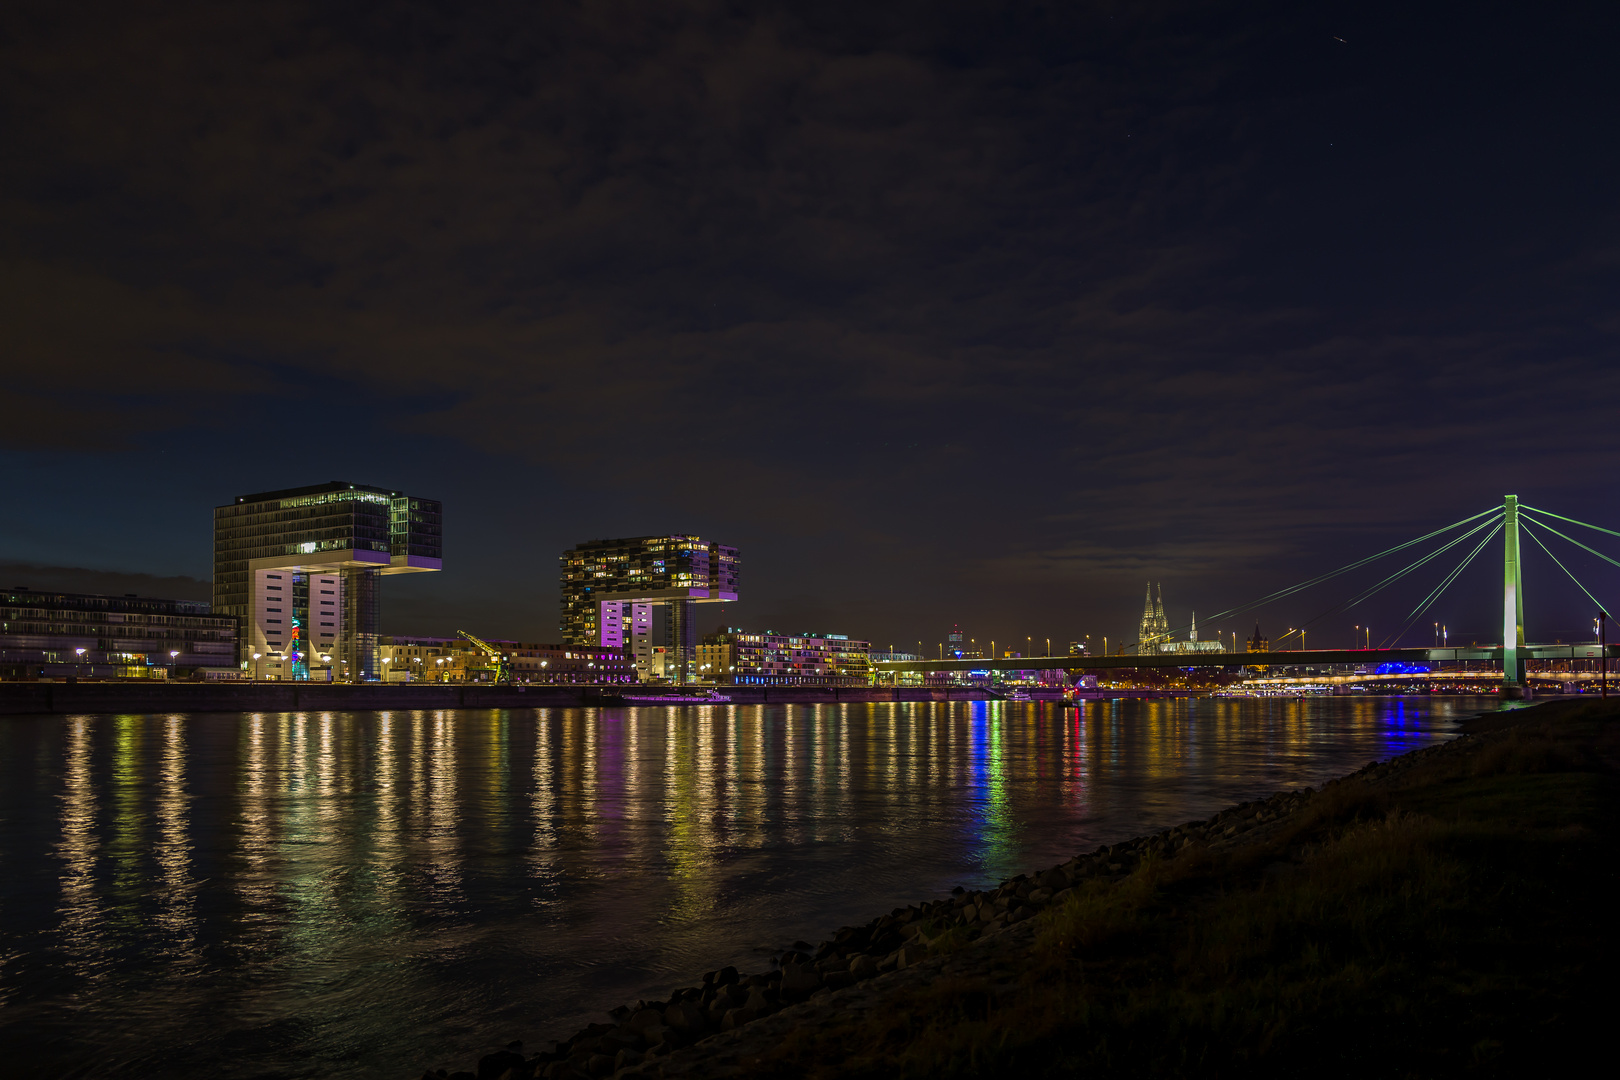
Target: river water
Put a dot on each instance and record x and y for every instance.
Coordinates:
(366, 894)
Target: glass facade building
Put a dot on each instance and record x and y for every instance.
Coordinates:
(637, 593)
(300, 567)
(54, 634)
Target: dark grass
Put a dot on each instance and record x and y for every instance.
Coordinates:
(1455, 921)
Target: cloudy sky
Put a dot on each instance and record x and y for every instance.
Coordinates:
(943, 313)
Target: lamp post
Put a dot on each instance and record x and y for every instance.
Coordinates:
(78, 659)
(1603, 652)
(173, 654)
(256, 666)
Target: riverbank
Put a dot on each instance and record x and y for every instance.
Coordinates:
(38, 698)
(1440, 913)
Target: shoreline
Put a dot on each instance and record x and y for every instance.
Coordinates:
(37, 698)
(812, 997)
(45, 698)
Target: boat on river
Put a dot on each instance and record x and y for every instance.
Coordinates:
(708, 697)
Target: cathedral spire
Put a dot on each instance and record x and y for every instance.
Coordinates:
(1193, 634)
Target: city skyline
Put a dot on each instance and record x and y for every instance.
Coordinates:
(1220, 296)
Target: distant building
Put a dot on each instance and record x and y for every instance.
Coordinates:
(1154, 626)
(1154, 636)
(735, 656)
(457, 660)
(301, 567)
(1259, 643)
(958, 646)
(1079, 648)
(637, 593)
(56, 634)
(1192, 644)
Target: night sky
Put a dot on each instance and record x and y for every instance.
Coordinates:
(977, 313)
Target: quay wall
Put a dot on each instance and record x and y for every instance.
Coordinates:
(27, 698)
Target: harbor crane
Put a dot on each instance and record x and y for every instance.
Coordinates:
(503, 665)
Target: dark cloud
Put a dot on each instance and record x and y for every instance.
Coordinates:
(1026, 300)
(112, 582)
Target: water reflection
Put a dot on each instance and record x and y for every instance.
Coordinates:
(343, 894)
(80, 913)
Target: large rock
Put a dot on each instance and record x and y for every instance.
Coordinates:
(863, 967)
(799, 981)
(684, 1016)
(736, 1018)
(911, 954)
(643, 1019)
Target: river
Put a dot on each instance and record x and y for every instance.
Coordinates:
(365, 894)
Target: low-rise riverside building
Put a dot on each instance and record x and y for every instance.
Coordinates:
(736, 657)
(456, 660)
(47, 634)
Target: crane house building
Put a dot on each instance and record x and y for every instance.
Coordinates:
(301, 568)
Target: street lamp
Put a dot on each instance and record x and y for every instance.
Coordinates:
(256, 666)
(79, 657)
(173, 653)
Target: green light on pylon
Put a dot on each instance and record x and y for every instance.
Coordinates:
(1512, 595)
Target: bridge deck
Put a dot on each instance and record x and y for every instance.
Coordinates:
(1248, 659)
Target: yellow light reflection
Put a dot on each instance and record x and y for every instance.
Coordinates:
(80, 909)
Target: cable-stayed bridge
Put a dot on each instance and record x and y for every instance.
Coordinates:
(1473, 534)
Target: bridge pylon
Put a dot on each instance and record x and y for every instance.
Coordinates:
(1512, 596)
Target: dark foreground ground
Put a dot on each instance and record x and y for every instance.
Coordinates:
(1445, 914)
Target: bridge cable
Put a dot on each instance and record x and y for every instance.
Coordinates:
(1434, 597)
(1576, 542)
(1345, 605)
(1561, 517)
(1601, 606)
(1251, 605)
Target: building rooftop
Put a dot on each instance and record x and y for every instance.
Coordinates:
(314, 489)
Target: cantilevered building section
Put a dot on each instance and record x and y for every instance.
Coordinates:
(300, 569)
(637, 593)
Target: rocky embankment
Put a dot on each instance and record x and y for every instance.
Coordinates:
(713, 1028)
